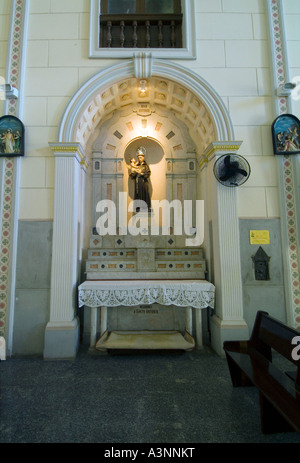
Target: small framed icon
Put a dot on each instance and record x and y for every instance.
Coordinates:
(286, 134)
(12, 136)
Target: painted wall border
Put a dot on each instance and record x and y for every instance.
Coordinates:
(10, 170)
(286, 165)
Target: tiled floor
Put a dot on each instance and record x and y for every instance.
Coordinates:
(153, 398)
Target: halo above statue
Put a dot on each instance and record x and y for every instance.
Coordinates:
(141, 150)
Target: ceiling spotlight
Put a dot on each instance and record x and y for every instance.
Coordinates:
(143, 86)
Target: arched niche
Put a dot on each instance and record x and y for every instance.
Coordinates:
(184, 96)
(171, 154)
(193, 102)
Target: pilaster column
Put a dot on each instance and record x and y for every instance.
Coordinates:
(227, 322)
(62, 330)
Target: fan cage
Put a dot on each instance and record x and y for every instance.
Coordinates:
(240, 179)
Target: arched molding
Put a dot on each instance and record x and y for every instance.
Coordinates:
(204, 91)
(85, 109)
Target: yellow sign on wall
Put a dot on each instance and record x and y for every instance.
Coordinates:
(259, 237)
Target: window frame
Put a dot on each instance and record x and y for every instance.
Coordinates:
(188, 50)
(141, 6)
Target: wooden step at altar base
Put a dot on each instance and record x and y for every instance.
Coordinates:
(128, 275)
(140, 340)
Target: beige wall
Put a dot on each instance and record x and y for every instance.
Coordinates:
(232, 55)
(48, 86)
(233, 42)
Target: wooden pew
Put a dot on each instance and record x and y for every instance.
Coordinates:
(250, 364)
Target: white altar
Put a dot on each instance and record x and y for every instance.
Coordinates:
(104, 294)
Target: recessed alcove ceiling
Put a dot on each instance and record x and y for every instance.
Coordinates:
(162, 102)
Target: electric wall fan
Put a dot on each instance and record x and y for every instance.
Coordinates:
(232, 170)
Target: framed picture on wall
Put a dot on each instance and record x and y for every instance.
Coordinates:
(12, 134)
(286, 134)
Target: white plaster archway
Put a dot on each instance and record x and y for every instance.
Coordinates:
(193, 100)
(88, 105)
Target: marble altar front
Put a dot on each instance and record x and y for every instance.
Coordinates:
(105, 294)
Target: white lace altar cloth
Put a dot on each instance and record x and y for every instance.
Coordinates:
(198, 294)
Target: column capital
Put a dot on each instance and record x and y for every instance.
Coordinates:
(69, 150)
(218, 148)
